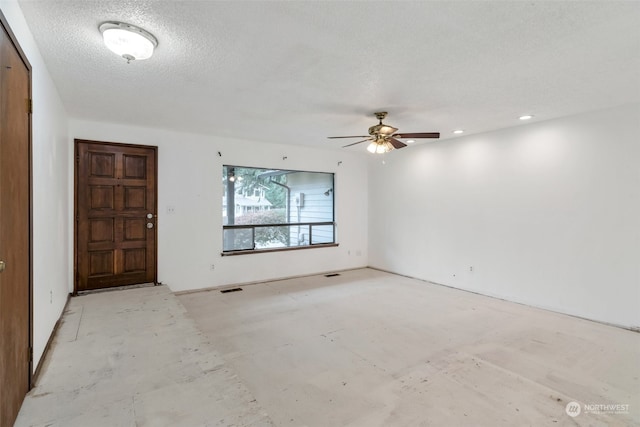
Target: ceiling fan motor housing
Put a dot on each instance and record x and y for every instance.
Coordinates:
(382, 129)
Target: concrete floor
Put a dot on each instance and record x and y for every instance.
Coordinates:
(133, 358)
(369, 348)
(365, 348)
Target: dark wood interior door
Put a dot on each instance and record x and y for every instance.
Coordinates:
(115, 214)
(15, 229)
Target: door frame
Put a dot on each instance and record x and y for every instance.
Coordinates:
(14, 40)
(76, 162)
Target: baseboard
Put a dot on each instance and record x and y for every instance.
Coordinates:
(38, 370)
(258, 282)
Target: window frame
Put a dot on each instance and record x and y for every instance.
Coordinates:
(253, 227)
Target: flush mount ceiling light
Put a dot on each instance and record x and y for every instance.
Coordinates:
(128, 41)
(526, 117)
(458, 131)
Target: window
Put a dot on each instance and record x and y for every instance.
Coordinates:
(274, 209)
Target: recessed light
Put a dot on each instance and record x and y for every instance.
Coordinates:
(526, 117)
(410, 141)
(458, 131)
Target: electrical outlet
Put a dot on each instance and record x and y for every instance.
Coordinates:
(171, 210)
(213, 267)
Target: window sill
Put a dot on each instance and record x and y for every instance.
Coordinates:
(294, 248)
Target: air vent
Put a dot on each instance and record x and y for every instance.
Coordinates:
(332, 275)
(224, 291)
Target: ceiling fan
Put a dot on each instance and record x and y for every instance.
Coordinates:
(383, 137)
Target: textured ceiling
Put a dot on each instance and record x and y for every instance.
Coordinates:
(296, 72)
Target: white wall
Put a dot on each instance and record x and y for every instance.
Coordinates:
(50, 189)
(189, 179)
(547, 214)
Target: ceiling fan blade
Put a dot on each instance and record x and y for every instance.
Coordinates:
(357, 136)
(354, 143)
(396, 144)
(417, 135)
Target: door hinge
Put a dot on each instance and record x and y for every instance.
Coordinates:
(30, 354)
(30, 106)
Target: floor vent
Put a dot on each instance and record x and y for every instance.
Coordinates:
(332, 275)
(224, 291)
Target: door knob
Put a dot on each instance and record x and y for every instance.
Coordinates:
(3, 265)
(149, 225)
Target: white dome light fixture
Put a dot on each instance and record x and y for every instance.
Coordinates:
(128, 41)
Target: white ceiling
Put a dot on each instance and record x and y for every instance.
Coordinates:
(296, 72)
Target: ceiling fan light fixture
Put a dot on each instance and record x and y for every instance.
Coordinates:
(128, 41)
(379, 147)
(383, 138)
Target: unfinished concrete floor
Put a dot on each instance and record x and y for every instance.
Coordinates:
(368, 348)
(365, 348)
(133, 358)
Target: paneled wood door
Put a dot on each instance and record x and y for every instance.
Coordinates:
(15, 227)
(116, 191)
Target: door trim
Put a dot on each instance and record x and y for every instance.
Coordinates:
(23, 57)
(76, 160)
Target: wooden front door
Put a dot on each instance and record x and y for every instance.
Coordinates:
(15, 228)
(115, 214)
